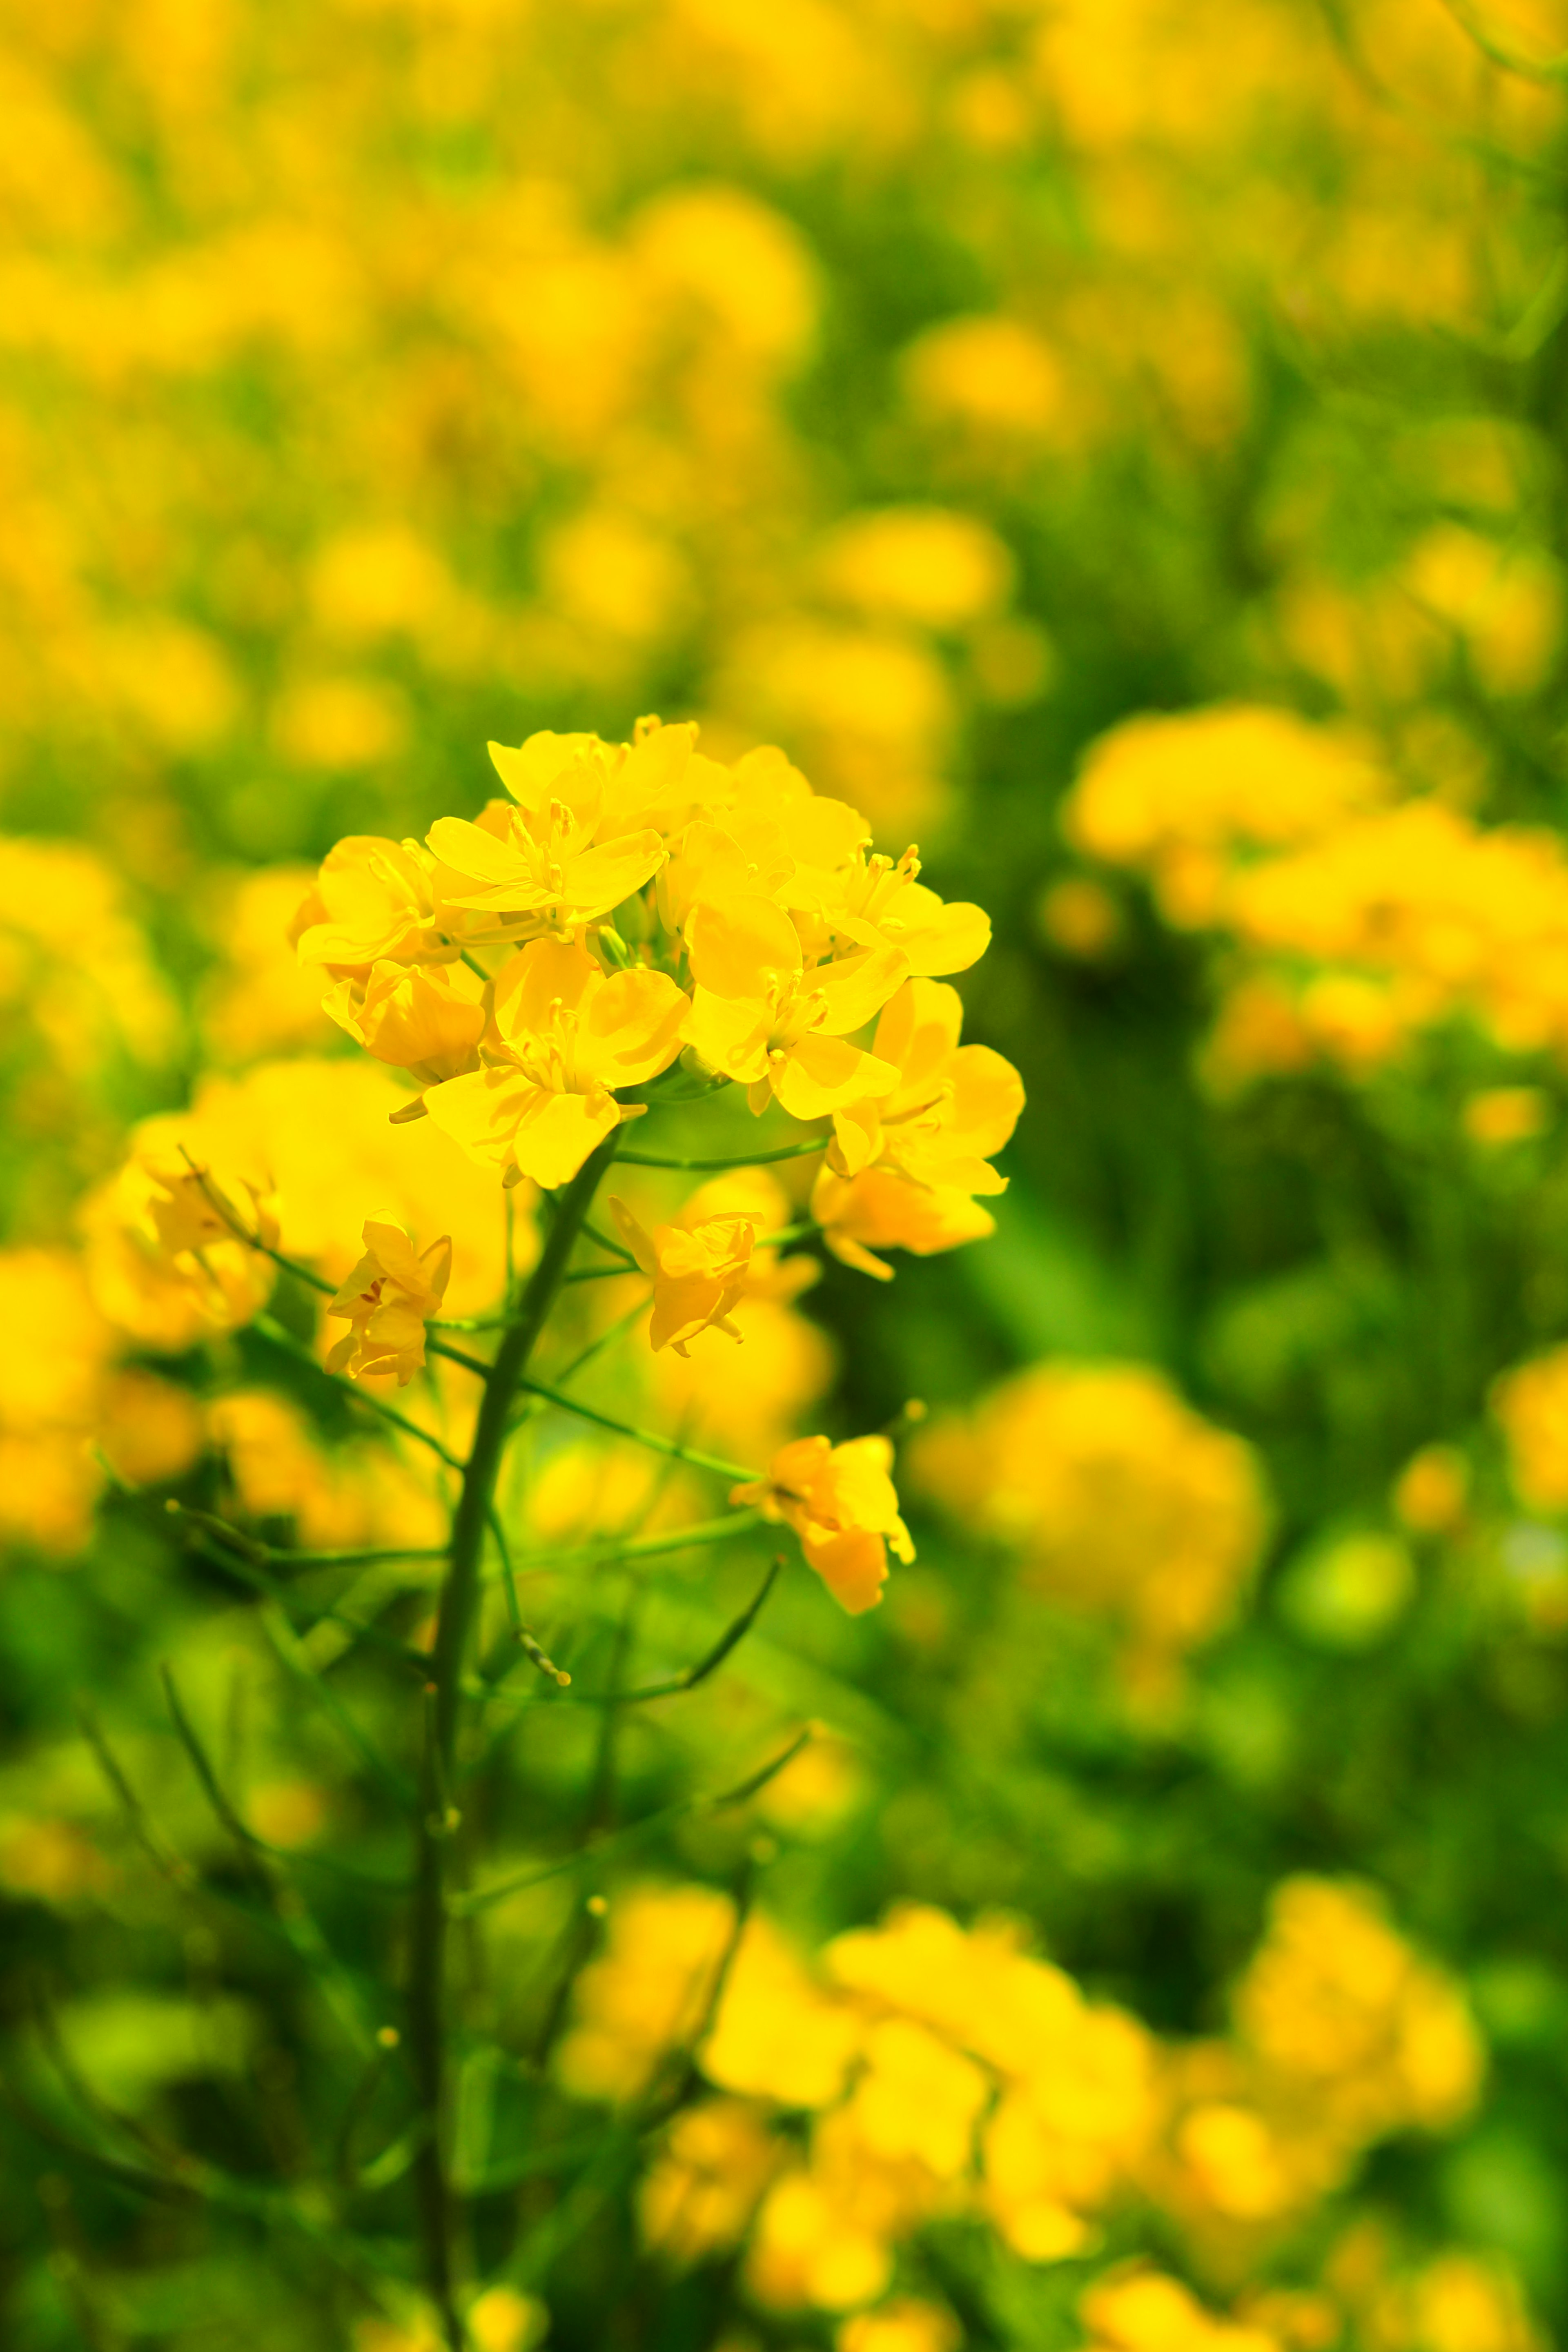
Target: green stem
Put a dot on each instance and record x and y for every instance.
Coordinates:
(649, 1437)
(459, 1601)
(748, 1159)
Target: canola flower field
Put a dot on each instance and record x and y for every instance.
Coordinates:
(765, 1591)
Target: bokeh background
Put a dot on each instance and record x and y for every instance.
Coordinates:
(1119, 445)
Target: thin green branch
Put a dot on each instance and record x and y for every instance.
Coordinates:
(299, 1928)
(475, 1364)
(650, 1438)
(376, 1556)
(276, 1335)
(616, 1249)
(635, 1833)
(748, 1159)
(616, 1550)
(292, 1650)
(247, 1572)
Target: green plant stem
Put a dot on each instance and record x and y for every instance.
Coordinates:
(746, 1159)
(459, 1601)
(649, 1437)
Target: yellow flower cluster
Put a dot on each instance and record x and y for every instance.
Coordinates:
(1341, 2036)
(631, 903)
(1117, 1499)
(942, 2071)
(1357, 925)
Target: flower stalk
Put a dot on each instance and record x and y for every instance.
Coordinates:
(428, 1974)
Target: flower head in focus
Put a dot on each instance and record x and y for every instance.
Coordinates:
(698, 1273)
(372, 902)
(761, 1017)
(955, 1106)
(426, 1021)
(582, 832)
(842, 1504)
(387, 1300)
(879, 901)
(903, 1167)
(880, 1210)
(565, 1037)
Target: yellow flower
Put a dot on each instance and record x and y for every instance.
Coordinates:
(388, 1298)
(955, 1106)
(901, 2325)
(878, 902)
(698, 1273)
(1122, 1501)
(842, 1504)
(427, 1021)
(581, 838)
(760, 1016)
(564, 1036)
(1532, 1404)
(372, 901)
(699, 2197)
(879, 1209)
(164, 1259)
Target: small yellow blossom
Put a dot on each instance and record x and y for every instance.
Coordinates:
(955, 1107)
(1140, 2310)
(565, 1037)
(576, 842)
(502, 2320)
(649, 1992)
(841, 1503)
(388, 1299)
(761, 1017)
(698, 1273)
(371, 903)
(879, 1209)
(878, 902)
(1500, 1115)
(426, 1021)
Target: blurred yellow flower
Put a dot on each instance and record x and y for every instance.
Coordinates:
(1119, 1500)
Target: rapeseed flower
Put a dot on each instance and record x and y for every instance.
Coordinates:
(842, 1504)
(955, 1107)
(564, 1036)
(699, 1272)
(1118, 1499)
(760, 1016)
(427, 1020)
(387, 1300)
(581, 837)
(371, 903)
